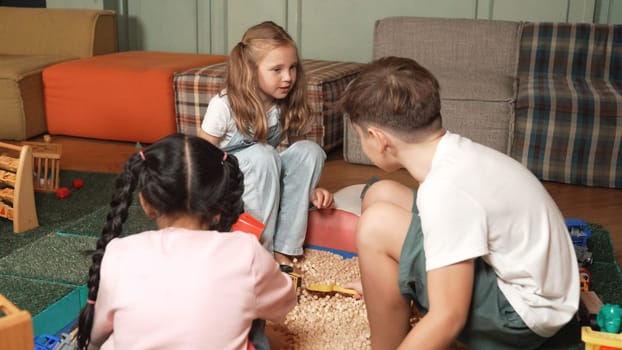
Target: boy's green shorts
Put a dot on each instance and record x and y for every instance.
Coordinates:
(492, 322)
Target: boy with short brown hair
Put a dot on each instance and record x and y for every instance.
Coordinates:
(480, 248)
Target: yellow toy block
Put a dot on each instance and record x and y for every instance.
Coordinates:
(594, 340)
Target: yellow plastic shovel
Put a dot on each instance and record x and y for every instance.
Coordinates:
(331, 288)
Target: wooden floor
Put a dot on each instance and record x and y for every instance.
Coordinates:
(597, 205)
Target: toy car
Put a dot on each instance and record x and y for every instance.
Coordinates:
(579, 231)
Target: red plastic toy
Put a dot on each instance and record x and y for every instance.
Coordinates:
(77, 183)
(62, 192)
(249, 224)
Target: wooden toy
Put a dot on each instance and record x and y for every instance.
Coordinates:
(15, 327)
(17, 197)
(46, 164)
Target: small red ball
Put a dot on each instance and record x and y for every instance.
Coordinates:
(77, 183)
(62, 192)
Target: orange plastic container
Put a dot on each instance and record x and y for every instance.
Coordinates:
(249, 224)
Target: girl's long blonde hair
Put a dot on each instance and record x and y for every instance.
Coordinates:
(243, 86)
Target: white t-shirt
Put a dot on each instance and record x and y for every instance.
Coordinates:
(477, 202)
(219, 122)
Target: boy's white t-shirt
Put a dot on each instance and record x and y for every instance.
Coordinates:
(477, 202)
(218, 120)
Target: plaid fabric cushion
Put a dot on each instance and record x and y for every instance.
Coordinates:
(568, 124)
(194, 89)
(326, 80)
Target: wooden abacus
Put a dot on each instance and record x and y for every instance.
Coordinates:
(17, 195)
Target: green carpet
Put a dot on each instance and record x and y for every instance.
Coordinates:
(40, 268)
(57, 258)
(43, 270)
(53, 212)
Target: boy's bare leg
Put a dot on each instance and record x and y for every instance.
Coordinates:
(380, 234)
(384, 191)
(388, 191)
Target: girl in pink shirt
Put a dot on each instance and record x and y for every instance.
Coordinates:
(191, 284)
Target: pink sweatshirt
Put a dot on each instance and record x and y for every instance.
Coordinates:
(185, 289)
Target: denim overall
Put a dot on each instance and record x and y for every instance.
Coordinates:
(276, 191)
(277, 186)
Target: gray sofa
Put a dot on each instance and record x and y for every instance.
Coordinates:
(477, 76)
(547, 94)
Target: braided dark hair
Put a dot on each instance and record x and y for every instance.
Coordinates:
(179, 174)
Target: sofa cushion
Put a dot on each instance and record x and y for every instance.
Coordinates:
(472, 47)
(51, 31)
(15, 67)
(481, 67)
(124, 96)
(569, 109)
(21, 94)
(476, 86)
(34, 38)
(487, 123)
(475, 64)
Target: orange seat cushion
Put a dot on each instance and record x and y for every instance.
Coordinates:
(124, 96)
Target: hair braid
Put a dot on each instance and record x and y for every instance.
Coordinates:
(232, 204)
(119, 206)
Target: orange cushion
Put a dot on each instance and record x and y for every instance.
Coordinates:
(125, 96)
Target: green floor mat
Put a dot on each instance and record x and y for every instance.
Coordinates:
(32, 295)
(55, 258)
(92, 224)
(606, 275)
(53, 212)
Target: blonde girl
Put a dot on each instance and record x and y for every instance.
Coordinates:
(265, 101)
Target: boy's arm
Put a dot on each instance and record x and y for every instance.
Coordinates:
(449, 293)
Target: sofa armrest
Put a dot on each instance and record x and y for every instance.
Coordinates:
(61, 32)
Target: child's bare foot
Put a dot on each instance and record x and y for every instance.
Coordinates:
(356, 285)
(283, 259)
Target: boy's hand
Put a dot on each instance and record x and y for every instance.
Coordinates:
(322, 198)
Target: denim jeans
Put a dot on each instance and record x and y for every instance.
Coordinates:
(277, 187)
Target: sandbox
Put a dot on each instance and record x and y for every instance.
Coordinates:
(327, 320)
